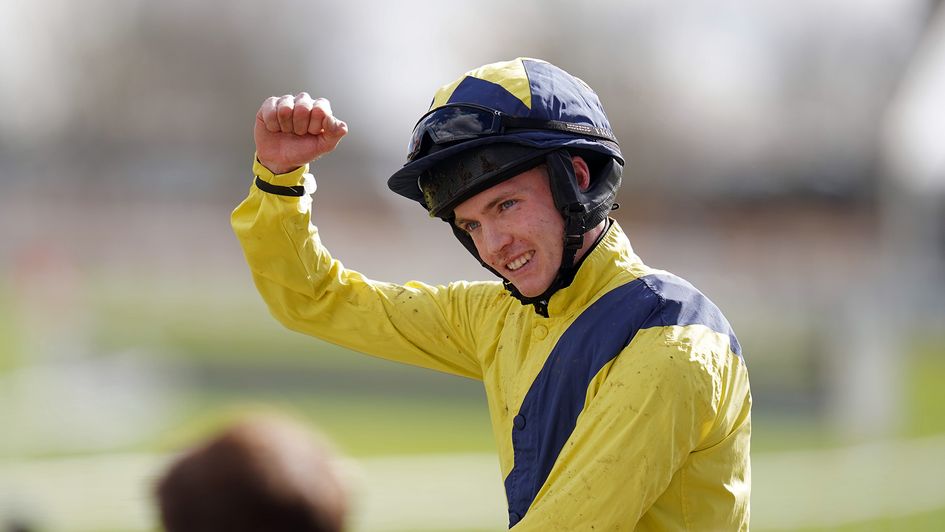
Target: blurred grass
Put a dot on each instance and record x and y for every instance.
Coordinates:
(224, 323)
(925, 386)
(360, 424)
(925, 522)
(9, 335)
(923, 406)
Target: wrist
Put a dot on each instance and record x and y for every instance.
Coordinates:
(278, 169)
(276, 173)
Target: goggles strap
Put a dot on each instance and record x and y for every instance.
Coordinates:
(491, 123)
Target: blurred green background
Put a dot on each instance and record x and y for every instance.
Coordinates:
(785, 158)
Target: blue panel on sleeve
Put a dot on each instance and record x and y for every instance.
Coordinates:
(551, 407)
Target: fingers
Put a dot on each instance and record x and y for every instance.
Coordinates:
(300, 115)
(267, 114)
(322, 118)
(284, 111)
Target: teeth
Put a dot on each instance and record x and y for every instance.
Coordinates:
(521, 261)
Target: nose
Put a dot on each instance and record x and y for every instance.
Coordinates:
(492, 239)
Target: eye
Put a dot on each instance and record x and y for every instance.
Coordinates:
(470, 226)
(507, 204)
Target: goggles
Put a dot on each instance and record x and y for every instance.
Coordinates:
(464, 121)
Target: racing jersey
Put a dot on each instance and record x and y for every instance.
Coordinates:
(626, 408)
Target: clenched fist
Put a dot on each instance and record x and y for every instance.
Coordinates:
(294, 130)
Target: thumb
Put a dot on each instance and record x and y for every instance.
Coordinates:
(332, 132)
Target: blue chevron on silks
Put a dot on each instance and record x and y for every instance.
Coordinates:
(555, 399)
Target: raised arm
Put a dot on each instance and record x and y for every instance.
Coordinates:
(309, 291)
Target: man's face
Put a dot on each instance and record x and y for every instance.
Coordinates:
(517, 230)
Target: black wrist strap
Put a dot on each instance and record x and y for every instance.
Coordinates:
(296, 191)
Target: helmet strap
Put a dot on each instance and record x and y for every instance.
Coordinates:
(566, 195)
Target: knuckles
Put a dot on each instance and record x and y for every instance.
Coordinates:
(318, 114)
(288, 112)
(285, 110)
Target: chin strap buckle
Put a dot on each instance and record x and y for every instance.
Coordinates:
(573, 241)
(574, 217)
(574, 211)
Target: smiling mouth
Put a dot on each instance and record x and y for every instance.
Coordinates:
(522, 260)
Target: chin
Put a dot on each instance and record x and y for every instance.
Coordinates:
(530, 292)
(532, 285)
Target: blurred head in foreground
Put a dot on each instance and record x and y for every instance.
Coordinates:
(262, 474)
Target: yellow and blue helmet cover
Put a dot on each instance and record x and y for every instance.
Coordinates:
(529, 91)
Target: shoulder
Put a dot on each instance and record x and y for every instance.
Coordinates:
(671, 301)
(685, 337)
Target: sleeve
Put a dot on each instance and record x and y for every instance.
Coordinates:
(310, 292)
(655, 404)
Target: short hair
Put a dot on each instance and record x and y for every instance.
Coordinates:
(262, 474)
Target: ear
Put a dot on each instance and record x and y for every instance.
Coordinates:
(581, 172)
